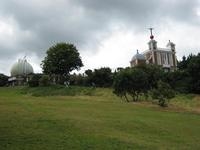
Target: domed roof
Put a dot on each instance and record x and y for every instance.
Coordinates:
(22, 67)
(138, 56)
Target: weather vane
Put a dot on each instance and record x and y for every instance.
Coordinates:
(151, 36)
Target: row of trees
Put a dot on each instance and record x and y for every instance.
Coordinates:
(62, 58)
(129, 82)
(102, 77)
(150, 79)
(146, 80)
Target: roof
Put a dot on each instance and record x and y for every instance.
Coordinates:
(138, 56)
(165, 50)
(21, 67)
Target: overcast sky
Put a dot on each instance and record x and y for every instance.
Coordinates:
(106, 32)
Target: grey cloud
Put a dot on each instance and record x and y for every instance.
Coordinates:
(141, 11)
(84, 22)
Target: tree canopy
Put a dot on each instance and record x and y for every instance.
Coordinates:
(194, 73)
(130, 82)
(3, 80)
(61, 59)
(190, 69)
(163, 93)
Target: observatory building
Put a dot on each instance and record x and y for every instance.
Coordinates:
(20, 72)
(164, 57)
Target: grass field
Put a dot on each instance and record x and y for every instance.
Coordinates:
(94, 119)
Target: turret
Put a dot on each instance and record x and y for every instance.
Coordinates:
(152, 43)
(171, 46)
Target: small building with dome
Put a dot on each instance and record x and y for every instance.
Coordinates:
(20, 72)
(138, 59)
(164, 57)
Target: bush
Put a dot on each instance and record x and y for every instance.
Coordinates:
(3, 80)
(34, 82)
(130, 82)
(44, 80)
(163, 93)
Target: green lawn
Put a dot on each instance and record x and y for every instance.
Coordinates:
(94, 120)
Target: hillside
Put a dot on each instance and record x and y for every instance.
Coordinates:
(84, 118)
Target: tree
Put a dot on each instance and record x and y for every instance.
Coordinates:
(194, 73)
(88, 72)
(77, 79)
(3, 80)
(130, 81)
(102, 77)
(162, 93)
(34, 81)
(183, 64)
(154, 74)
(61, 59)
(190, 70)
(44, 80)
(178, 80)
(88, 80)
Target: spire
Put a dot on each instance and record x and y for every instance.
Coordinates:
(151, 36)
(152, 43)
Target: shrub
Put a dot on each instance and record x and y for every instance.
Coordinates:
(44, 80)
(34, 82)
(3, 80)
(163, 93)
(130, 81)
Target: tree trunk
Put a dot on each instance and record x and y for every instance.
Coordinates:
(126, 98)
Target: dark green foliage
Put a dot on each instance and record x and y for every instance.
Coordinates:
(162, 93)
(61, 59)
(88, 80)
(44, 80)
(194, 73)
(3, 80)
(183, 64)
(77, 79)
(34, 81)
(178, 80)
(130, 81)
(154, 74)
(102, 77)
(190, 67)
(136, 81)
(88, 72)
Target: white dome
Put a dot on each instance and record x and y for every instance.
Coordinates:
(20, 68)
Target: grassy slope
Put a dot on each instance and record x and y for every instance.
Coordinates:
(101, 121)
